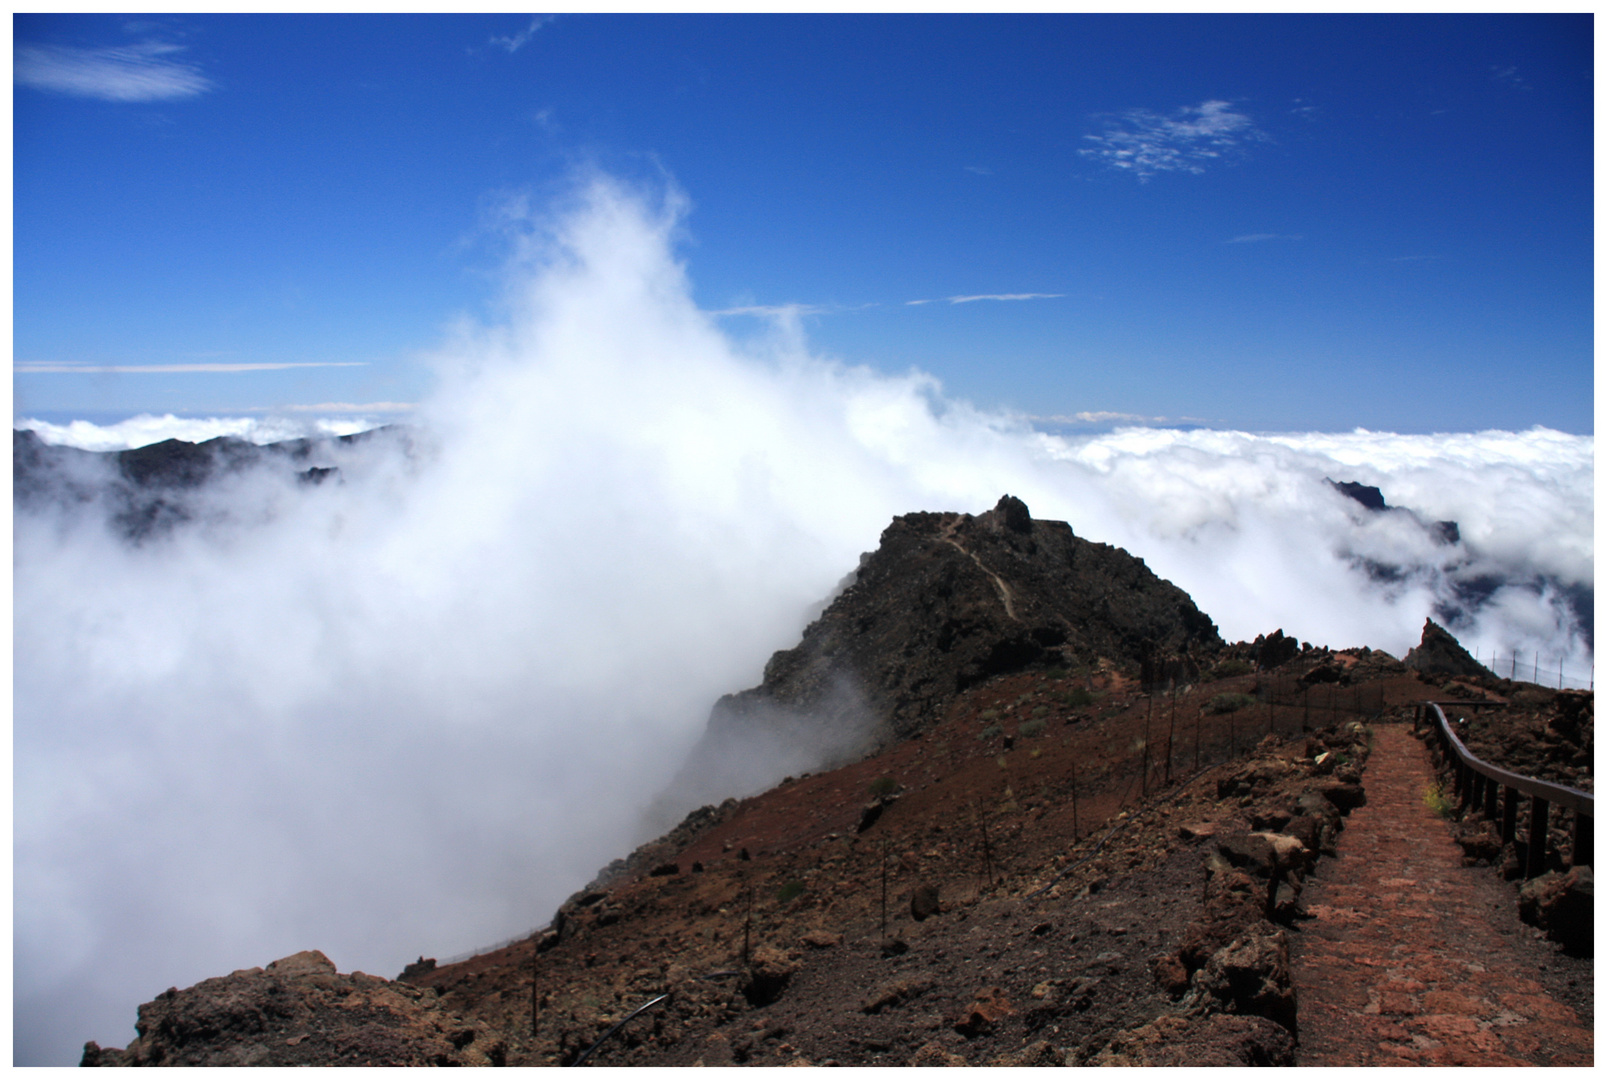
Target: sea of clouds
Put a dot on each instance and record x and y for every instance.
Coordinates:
(411, 710)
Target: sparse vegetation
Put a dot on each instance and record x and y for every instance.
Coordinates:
(1076, 697)
(1435, 799)
(789, 892)
(1031, 728)
(1057, 672)
(992, 731)
(883, 786)
(1040, 710)
(990, 714)
(1226, 703)
(1228, 669)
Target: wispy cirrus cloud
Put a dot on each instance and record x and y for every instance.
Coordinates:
(1083, 419)
(1507, 73)
(514, 42)
(987, 296)
(141, 72)
(74, 367)
(774, 311)
(1145, 143)
(1261, 237)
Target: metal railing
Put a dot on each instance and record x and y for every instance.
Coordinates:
(1495, 792)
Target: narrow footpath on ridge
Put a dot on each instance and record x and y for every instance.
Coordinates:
(1410, 958)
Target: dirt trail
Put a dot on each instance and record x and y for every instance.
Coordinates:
(1412, 959)
(998, 582)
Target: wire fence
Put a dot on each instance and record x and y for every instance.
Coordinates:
(1527, 667)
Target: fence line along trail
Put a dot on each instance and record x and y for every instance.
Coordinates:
(1410, 958)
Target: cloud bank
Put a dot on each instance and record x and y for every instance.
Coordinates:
(128, 73)
(410, 711)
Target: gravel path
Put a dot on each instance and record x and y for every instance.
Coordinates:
(1411, 959)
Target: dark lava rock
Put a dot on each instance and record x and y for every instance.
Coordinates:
(300, 1011)
(1367, 495)
(949, 600)
(924, 903)
(1563, 905)
(1275, 650)
(1439, 654)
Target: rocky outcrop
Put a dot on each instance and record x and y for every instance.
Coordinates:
(949, 600)
(301, 1011)
(1439, 654)
(1563, 905)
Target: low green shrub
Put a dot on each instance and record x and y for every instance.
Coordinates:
(1226, 703)
(882, 785)
(1031, 728)
(1076, 697)
(789, 892)
(992, 731)
(1227, 669)
(1435, 799)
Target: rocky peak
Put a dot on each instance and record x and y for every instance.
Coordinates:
(1439, 653)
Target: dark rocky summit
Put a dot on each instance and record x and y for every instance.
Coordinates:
(1440, 654)
(950, 600)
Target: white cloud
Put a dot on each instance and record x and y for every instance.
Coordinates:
(1508, 74)
(773, 311)
(514, 42)
(980, 170)
(73, 367)
(1104, 418)
(1145, 143)
(143, 72)
(1262, 237)
(370, 709)
(987, 296)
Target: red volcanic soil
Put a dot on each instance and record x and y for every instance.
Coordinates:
(1058, 897)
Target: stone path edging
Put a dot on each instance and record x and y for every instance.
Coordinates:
(1402, 962)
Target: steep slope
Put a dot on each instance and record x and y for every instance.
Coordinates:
(945, 602)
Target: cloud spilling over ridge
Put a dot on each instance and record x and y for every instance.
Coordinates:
(145, 429)
(410, 711)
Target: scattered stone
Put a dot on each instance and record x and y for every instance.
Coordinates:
(1033, 1055)
(822, 939)
(895, 992)
(981, 1015)
(1200, 1041)
(935, 1053)
(924, 903)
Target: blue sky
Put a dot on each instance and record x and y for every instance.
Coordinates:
(1267, 223)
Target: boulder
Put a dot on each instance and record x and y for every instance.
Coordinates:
(1563, 905)
(979, 1018)
(924, 903)
(1251, 976)
(769, 972)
